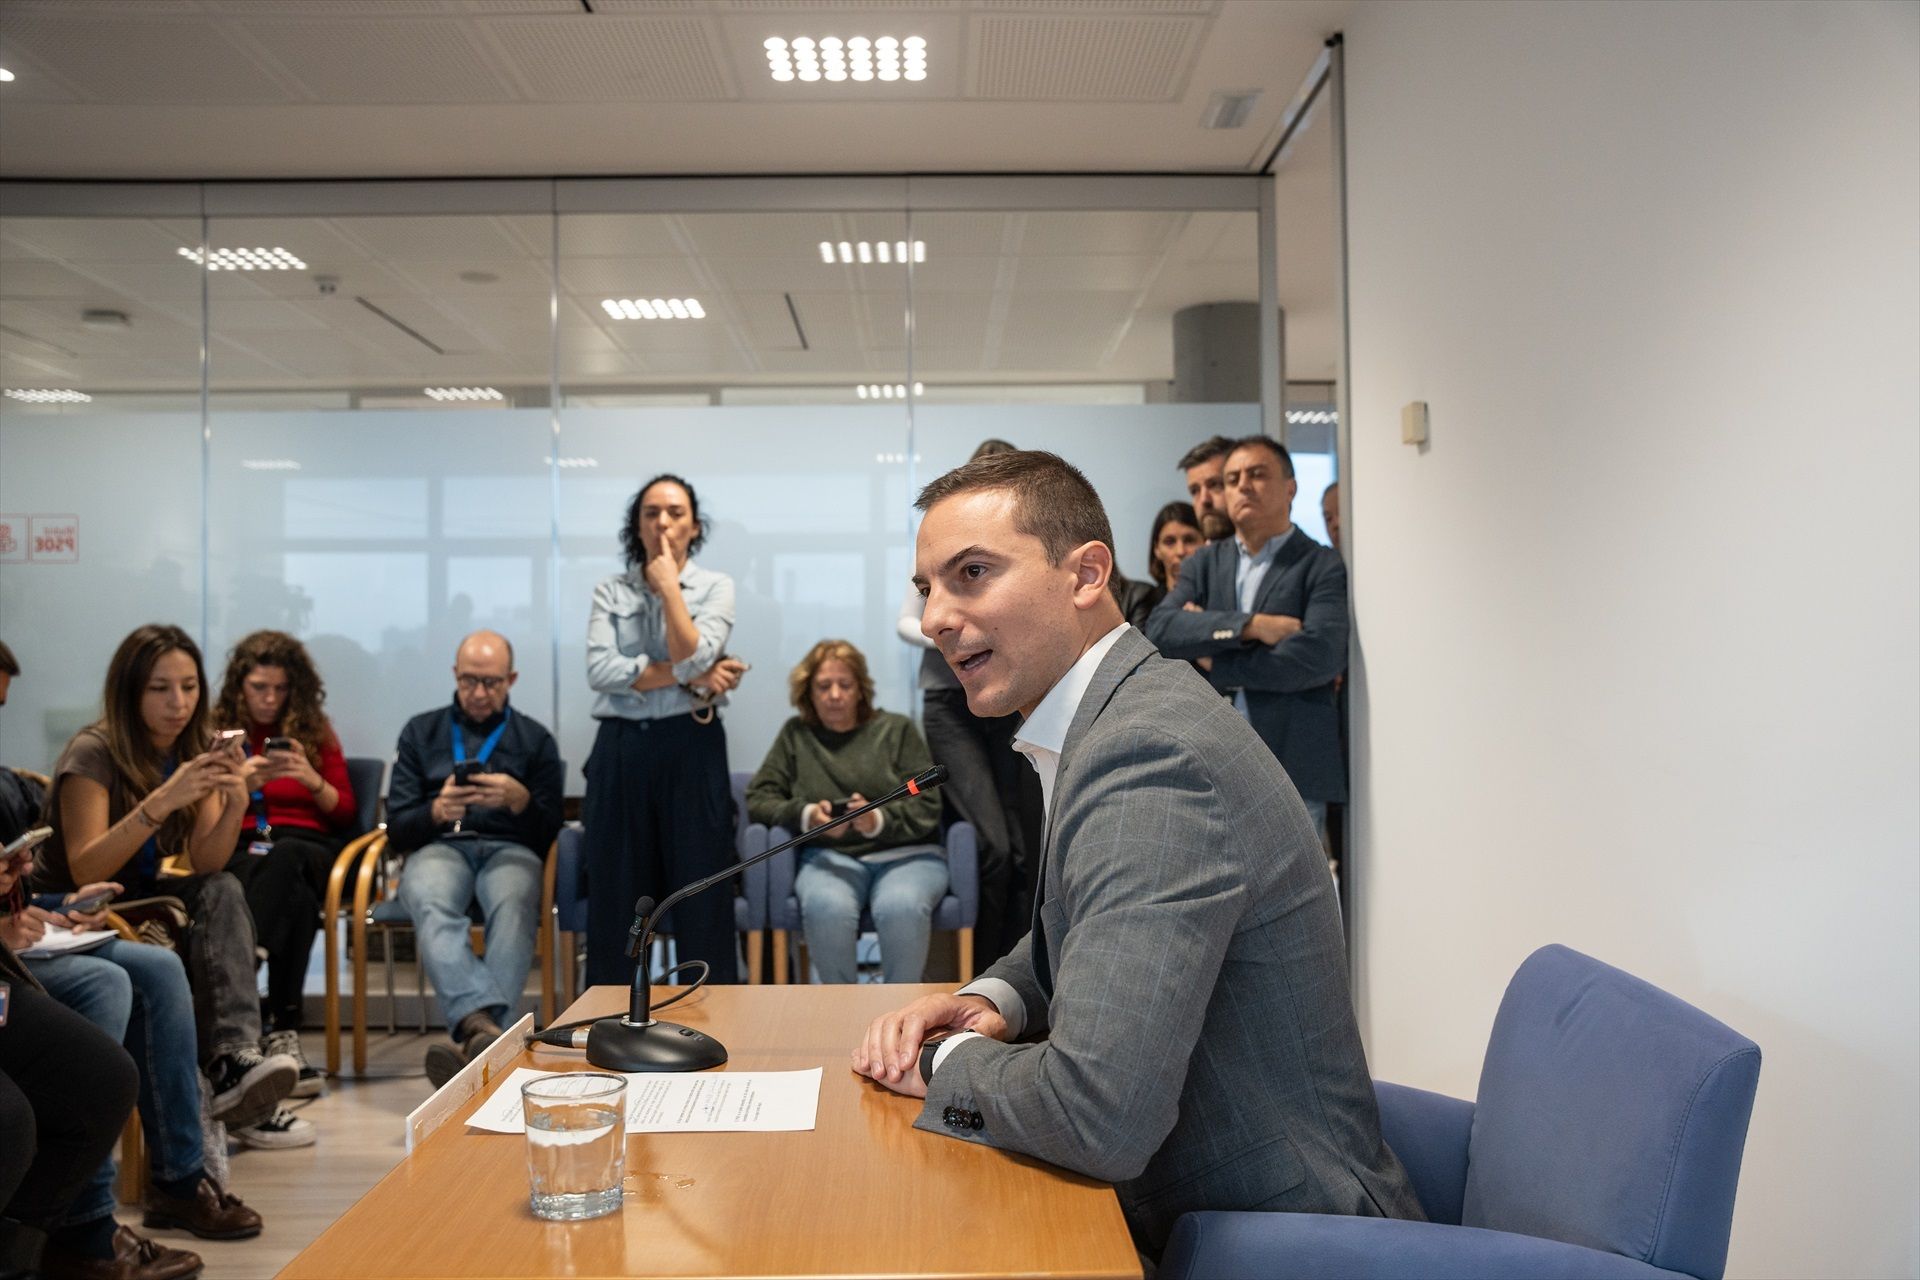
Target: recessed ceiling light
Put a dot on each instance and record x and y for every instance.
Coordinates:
(275, 259)
(47, 395)
(5, 75)
(888, 390)
(1229, 110)
(653, 308)
(578, 462)
(859, 58)
(269, 464)
(886, 251)
(1312, 417)
(463, 393)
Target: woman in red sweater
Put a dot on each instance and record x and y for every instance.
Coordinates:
(300, 817)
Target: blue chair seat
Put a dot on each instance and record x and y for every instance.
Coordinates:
(958, 909)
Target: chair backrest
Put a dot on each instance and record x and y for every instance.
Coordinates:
(365, 773)
(739, 783)
(1610, 1114)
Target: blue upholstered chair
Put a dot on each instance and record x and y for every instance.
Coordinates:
(959, 910)
(1606, 1142)
(565, 907)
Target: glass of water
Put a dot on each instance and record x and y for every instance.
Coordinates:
(576, 1143)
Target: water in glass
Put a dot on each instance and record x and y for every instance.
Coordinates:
(576, 1144)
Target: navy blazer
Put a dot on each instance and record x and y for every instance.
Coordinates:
(1289, 686)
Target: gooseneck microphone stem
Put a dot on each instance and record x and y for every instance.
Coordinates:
(636, 1042)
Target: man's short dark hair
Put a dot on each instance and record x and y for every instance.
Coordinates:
(1052, 500)
(9, 665)
(1272, 446)
(1204, 452)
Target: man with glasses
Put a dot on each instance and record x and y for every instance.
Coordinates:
(473, 804)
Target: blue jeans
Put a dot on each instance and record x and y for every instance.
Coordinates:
(436, 885)
(138, 995)
(901, 893)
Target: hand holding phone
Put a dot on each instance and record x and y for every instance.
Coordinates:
(838, 808)
(88, 905)
(279, 744)
(28, 841)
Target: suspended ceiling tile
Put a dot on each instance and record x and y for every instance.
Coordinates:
(591, 279)
(617, 235)
(128, 57)
(442, 239)
(597, 57)
(1123, 232)
(517, 278)
(1095, 57)
(388, 59)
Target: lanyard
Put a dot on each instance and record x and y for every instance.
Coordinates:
(486, 748)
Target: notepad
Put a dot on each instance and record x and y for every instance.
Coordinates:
(61, 942)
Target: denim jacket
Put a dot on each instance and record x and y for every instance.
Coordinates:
(627, 633)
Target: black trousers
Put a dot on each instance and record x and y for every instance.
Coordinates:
(65, 1091)
(285, 887)
(658, 815)
(993, 787)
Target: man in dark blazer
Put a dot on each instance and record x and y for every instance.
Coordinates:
(1177, 1021)
(1267, 608)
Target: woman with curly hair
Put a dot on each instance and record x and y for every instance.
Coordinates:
(299, 813)
(841, 749)
(658, 810)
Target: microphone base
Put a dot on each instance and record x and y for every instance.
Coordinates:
(614, 1044)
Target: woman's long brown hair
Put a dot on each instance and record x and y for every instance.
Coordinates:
(304, 717)
(129, 742)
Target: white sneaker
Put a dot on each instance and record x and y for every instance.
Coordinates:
(281, 1129)
(311, 1083)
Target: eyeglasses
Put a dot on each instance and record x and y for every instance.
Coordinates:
(492, 684)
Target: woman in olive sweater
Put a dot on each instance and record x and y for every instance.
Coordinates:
(842, 749)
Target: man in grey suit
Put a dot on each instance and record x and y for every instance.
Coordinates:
(1177, 1021)
(1267, 608)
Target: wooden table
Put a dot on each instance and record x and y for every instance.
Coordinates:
(863, 1194)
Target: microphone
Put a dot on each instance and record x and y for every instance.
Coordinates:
(635, 1041)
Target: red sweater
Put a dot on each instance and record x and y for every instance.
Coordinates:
(289, 804)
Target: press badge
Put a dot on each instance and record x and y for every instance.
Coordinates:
(259, 848)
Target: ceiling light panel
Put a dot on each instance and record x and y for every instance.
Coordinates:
(47, 395)
(833, 59)
(275, 259)
(463, 393)
(653, 308)
(885, 252)
(888, 390)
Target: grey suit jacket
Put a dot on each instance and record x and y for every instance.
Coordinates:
(1289, 686)
(1192, 1038)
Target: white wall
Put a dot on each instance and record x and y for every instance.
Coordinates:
(1641, 629)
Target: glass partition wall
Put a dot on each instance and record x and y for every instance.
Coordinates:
(382, 415)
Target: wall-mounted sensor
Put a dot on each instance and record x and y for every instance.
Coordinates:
(1413, 423)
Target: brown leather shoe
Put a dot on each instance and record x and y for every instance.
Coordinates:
(134, 1258)
(213, 1214)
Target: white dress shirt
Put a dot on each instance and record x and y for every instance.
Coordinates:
(1249, 571)
(1042, 736)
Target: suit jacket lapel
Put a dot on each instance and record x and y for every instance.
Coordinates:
(1128, 652)
(1297, 545)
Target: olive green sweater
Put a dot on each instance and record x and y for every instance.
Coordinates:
(807, 763)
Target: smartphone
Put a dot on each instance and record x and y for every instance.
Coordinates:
(279, 744)
(464, 771)
(29, 841)
(230, 740)
(838, 808)
(89, 904)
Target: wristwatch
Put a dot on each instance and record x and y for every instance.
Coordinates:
(928, 1052)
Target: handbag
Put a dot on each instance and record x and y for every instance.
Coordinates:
(159, 921)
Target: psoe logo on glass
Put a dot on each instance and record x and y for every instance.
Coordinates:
(53, 539)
